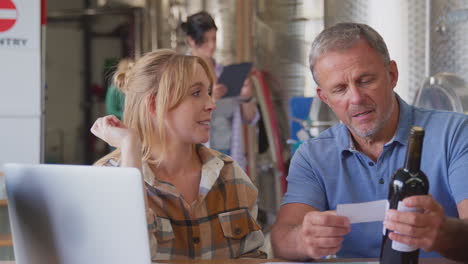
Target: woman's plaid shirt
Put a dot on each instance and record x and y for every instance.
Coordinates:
(219, 224)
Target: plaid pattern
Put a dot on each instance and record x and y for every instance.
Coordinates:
(219, 224)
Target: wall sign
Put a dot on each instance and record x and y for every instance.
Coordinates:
(20, 88)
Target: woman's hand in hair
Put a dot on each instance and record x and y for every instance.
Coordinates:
(219, 90)
(113, 131)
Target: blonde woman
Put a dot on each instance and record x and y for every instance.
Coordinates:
(200, 203)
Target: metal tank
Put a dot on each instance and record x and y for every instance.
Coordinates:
(443, 91)
(284, 31)
(449, 38)
(425, 37)
(402, 24)
(446, 88)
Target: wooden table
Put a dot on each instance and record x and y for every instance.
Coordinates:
(259, 261)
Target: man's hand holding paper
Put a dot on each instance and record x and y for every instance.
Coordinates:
(321, 233)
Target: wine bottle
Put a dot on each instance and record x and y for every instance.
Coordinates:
(406, 182)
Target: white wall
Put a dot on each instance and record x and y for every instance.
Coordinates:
(20, 89)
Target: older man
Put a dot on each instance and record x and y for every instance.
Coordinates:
(353, 161)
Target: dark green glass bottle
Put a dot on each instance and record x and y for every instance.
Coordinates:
(406, 182)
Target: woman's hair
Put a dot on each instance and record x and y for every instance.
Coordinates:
(124, 65)
(197, 24)
(156, 83)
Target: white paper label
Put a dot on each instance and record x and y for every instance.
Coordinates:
(387, 206)
(400, 246)
(363, 212)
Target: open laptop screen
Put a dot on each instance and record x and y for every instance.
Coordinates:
(76, 214)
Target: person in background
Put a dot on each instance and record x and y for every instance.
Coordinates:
(232, 113)
(114, 98)
(200, 204)
(353, 161)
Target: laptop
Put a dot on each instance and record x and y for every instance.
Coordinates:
(76, 214)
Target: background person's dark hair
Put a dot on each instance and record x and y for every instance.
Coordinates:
(197, 24)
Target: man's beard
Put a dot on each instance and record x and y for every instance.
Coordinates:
(377, 128)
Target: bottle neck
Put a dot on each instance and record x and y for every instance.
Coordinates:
(413, 153)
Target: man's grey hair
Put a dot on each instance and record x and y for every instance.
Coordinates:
(343, 36)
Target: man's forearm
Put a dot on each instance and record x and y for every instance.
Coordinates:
(285, 242)
(454, 243)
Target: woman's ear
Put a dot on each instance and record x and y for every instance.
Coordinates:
(151, 102)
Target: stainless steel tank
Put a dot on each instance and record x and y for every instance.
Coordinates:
(449, 38)
(403, 26)
(443, 91)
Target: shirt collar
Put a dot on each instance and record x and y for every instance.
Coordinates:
(212, 163)
(404, 123)
(405, 120)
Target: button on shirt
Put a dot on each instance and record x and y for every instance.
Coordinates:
(328, 170)
(219, 224)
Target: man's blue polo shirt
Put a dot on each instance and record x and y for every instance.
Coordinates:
(327, 171)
